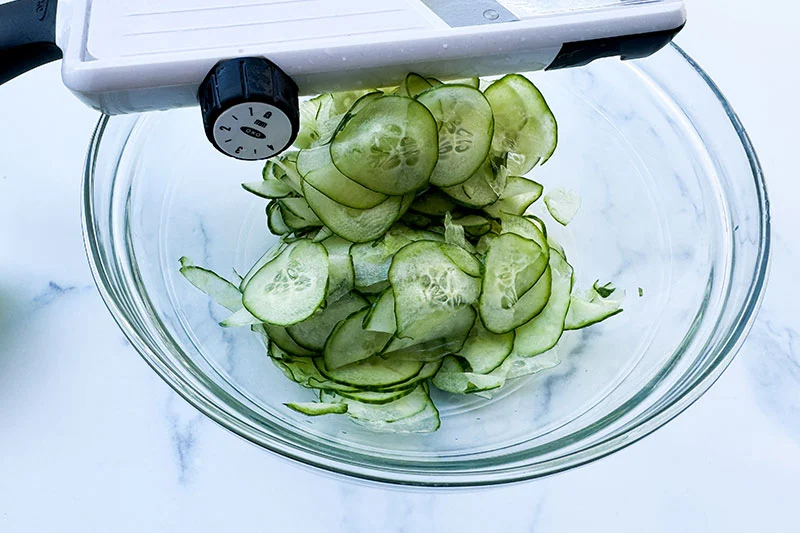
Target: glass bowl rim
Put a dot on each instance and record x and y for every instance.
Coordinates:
(734, 338)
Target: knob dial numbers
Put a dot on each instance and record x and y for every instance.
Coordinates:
(252, 131)
(250, 108)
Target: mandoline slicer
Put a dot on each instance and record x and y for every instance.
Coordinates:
(256, 57)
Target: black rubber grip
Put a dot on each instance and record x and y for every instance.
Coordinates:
(27, 36)
(581, 53)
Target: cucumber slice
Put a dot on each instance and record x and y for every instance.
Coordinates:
(376, 398)
(478, 232)
(371, 261)
(356, 225)
(562, 205)
(343, 102)
(291, 287)
(341, 276)
(544, 331)
(474, 225)
(528, 229)
(357, 106)
(524, 275)
(320, 116)
(285, 167)
(322, 233)
(516, 285)
(275, 222)
(484, 350)
(515, 367)
(268, 189)
(428, 289)
(276, 354)
(327, 122)
(293, 221)
(336, 109)
(308, 134)
(485, 242)
(428, 370)
(374, 290)
(276, 171)
(270, 254)
(362, 102)
(390, 146)
(414, 84)
(408, 405)
(285, 342)
(440, 340)
(413, 413)
(464, 260)
(381, 317)
(416, 220)
(433, 203)
(338, 187)
(374, 373)
(318, 408)
(454, 234)
(433, 349)
(512, 368)
(426, 421)
(405, 203)
(466, 126)
(313, 332)
(222, 291)
(350, 343)
(452, 363)
(525, 128)
(300, 208)
(523, 186)
(436, 341)
(303, 371)
(482, 188)
(590, 308)
(604, 291)
(460, 382)
(239, 319)
(312, 159)
(519, 195)
(475, 83)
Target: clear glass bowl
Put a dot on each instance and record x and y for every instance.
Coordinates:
(673, 202)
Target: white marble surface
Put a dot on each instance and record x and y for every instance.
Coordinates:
(92, 440)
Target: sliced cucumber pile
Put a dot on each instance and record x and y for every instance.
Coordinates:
(407, 257)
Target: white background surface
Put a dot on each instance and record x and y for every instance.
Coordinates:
(92, 440)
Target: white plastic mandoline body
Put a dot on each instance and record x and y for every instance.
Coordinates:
(123, 56)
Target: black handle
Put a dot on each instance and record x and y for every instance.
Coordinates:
(27, 36)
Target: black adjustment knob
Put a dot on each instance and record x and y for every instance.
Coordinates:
(250, 108)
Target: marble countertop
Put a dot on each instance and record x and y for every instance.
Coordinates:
(92, 440)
